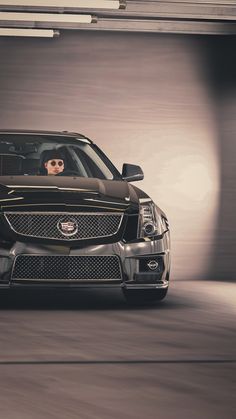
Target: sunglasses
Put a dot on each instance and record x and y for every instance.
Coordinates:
(54, 163)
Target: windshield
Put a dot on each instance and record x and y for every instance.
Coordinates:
(42, 155)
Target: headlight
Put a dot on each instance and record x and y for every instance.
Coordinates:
(151, 223)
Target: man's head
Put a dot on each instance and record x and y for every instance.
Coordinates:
(53, 162)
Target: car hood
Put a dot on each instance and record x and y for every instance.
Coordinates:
(51, 190)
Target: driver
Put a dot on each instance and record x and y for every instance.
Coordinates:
(53, 162)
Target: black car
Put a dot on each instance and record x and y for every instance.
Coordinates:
(84, 225)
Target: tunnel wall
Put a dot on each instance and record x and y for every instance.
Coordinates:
(146, 99)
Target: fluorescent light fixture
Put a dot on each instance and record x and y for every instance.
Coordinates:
(42, 33)
(45, 17)
(88, 4)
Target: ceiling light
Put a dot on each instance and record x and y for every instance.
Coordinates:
(88, 4)
(43, 33)
(45, 17)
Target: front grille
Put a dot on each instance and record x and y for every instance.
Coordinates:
(66, 268)
(77, 226)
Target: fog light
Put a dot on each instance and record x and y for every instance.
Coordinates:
(153, 265)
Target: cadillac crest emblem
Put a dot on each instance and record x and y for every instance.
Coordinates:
(67, 226)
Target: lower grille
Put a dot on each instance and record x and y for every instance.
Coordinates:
(66, 268)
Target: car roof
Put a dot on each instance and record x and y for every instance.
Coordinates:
(68, 134)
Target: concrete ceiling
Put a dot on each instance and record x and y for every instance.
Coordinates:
(215, 17)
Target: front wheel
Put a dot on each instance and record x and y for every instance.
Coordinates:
(144, 296)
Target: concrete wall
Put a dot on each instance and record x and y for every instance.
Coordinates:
(148, 99)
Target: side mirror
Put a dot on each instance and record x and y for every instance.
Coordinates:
(131, 172)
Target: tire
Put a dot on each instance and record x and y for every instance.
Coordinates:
(144, 296)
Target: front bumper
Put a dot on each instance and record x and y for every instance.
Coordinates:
(133, 259)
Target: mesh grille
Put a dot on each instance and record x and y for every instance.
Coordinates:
(66, 268)
(78, 226)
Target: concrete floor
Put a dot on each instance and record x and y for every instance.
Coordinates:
(90, 355)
